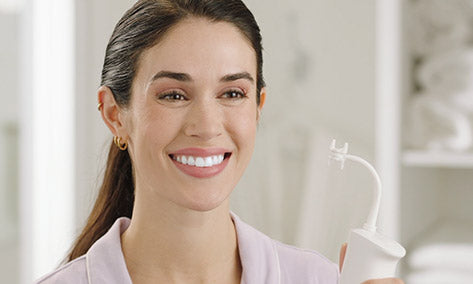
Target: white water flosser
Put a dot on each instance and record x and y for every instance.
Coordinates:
(369, 254)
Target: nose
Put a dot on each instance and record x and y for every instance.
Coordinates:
(204, 120)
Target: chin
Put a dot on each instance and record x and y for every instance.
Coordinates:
(204, 202)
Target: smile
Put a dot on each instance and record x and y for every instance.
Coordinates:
(199, 162)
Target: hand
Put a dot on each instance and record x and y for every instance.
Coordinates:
(343, 251)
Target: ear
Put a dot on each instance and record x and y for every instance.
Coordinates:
(111, 112)
(262, 100)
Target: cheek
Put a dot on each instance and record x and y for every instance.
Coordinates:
(155, 130)
(243, 126)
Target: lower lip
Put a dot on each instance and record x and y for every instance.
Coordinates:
(202, 172)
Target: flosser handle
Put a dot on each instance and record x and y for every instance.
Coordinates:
(370, 256)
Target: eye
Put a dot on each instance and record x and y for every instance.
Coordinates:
(172, 96)
(234, 94)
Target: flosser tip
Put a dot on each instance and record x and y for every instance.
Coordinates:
(338, 154)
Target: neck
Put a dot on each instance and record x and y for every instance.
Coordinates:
(167, 243)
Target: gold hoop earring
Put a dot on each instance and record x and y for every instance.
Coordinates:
(120, 146)
(99, 106)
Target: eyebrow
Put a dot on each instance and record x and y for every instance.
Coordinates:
(184, 77)
(172, 75)
(237, 76)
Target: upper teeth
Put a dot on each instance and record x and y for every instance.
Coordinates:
(199, 161)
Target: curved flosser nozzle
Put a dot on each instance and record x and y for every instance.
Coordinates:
(341, 155)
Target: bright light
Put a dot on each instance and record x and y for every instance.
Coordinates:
(52, 98)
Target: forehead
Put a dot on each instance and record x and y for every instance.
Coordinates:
(200, 48)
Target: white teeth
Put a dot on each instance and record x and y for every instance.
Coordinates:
(208, 162)
(191, 161)
(200, 162)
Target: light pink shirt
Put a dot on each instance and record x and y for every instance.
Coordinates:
(263, 260)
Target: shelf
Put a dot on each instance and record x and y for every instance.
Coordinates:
(420, 158)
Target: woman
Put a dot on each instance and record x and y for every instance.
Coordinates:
(182, 91)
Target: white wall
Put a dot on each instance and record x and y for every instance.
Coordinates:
(320, 59)
(9, 257)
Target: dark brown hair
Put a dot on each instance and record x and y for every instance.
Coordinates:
(140, 28)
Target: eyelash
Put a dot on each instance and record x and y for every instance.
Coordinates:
(171, 96)
(241, 94)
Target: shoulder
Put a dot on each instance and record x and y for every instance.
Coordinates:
(74, 272)
(103, 263)
(266, 260)
(298, 263)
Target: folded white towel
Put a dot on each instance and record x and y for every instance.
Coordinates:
(435, 125)
(438, 25)
(439, 277)
(448, 76)
(448, 72)
(458, 257)
(447, 247)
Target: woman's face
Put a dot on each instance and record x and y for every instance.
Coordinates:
(192, 119)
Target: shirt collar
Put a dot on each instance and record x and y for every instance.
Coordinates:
(259, 258)
(105, 260)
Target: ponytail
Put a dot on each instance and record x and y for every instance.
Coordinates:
(115, 199)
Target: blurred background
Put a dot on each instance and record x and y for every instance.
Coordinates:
(392, 78)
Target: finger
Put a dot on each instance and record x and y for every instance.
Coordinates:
(343, 251)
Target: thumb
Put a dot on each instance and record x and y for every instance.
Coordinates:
(343, 251)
